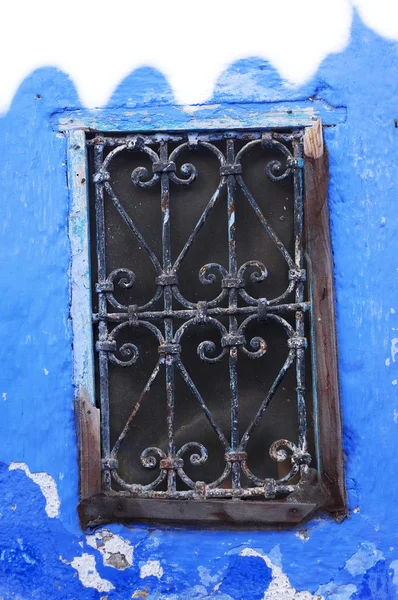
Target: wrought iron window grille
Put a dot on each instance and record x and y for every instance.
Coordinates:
(238, 495)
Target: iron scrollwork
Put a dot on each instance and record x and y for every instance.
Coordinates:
(231, 280)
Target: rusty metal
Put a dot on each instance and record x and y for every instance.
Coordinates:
(169, 462)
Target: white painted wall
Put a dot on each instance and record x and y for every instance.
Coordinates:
(191, 43)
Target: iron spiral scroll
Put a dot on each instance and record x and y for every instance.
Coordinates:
(231, 303)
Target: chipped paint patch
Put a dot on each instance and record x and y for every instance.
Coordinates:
(280, 586)
(303, 535)
(88, 574)
(394, 567)
(46, 484)
(333, 591)
(205, 577)
(190, 109)
(116, 552)
(152, 568)
(394, 348)
(364, 558)
(275, 555)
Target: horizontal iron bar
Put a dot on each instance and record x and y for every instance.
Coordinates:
(205, 136)
(253, 492)
(189, 314)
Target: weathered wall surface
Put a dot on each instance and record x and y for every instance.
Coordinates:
(43, 553)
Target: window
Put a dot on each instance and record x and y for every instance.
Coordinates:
(212, 300)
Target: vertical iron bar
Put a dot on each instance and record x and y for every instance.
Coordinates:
(299, 291)
(102, 309)
(233, 321)
(168, 322)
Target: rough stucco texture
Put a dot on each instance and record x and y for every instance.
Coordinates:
(43, 553)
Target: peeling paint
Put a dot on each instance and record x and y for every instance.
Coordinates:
(47, 485)
(88, 574)
(280, 586)
(205, 576)
(191, 109)
(275, 555)
(303, 535)
(334, 591)
(394, 567)
(143, 594)
(394, 348)
(116, 552)
(364, 558)
(151, 568)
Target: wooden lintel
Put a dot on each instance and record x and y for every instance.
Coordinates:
(104, 508)
(200, 117)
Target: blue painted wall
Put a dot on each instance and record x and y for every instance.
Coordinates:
(46, 556)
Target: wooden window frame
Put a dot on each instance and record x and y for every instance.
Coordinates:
(328, 491)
